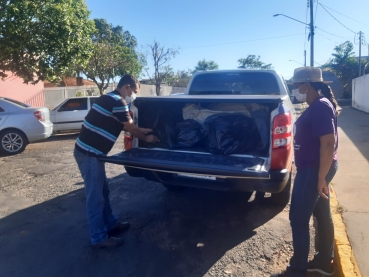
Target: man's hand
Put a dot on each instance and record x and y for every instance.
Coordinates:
(146, 131)
(151, 138)
(323, 188)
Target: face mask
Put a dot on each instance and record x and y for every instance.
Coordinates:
(299, 96)
(130, 99)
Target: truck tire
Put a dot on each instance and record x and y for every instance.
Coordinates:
(282, 198)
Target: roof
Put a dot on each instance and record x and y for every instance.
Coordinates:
(68, 82)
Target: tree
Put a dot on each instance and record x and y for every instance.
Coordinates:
(345, 65)
(205, 65)
(160, 56)
(113, 55)
(179, 79)
(40, 39)
(253, 61)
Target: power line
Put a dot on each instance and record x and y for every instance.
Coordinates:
(327, 38)
(330, 33)
(306, 19)
(343, 14)
(336, 18)
(240, 41)
(316, 10)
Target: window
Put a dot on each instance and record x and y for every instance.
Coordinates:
(17, 102)
(248, 83)
(74, 105)
(93, 100)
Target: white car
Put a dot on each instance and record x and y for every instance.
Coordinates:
(21, 124)
(70, 114)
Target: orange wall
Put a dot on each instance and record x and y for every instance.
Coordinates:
(13, 87)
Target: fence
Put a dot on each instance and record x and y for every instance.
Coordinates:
(360, 93)
(54, 96)
(37, 100)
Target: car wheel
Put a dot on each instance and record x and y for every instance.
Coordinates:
(282, 198)
(12, 142)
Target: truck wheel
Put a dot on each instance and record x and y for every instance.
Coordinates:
(12, 142)
(173, 187)
(282, 198)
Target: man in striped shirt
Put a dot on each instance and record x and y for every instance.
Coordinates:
(100, 130)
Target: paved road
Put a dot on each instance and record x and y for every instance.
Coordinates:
(43, 228)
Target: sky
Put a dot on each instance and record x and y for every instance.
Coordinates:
(226, 31)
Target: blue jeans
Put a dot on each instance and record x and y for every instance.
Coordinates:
(99, 213)
(305, 202)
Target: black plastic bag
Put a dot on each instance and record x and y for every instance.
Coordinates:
(190, 134)
(165, 131)
(231, 134)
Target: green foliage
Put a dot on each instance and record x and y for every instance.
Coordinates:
(113, 54)
(253, 62)
(80, 94)
(205, 65)
(41, 39)
(345, 66)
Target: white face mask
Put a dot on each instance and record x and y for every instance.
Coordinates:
(130, 99)
(299, 96)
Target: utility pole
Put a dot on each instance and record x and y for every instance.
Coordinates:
(360, 36)
(304, 57)
(311, 34)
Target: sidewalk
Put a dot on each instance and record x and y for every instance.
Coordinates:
(351, 182)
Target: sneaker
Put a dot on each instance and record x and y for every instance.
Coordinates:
(325, 269)
(289, 272)
(120, 228)
(109, 243)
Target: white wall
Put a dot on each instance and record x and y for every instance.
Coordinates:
(54, 96)
(360, 93)
(149, 90)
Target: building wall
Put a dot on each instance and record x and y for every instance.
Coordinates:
(13, 87)
(360, 93)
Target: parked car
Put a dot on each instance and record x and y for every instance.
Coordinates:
(70, 114)
(245, 144)
(21, 124)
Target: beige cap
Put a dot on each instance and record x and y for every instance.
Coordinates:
(308, 74)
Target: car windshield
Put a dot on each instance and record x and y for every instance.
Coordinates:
(249, 83)
(18, 103)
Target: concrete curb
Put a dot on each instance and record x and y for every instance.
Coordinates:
(344, 257)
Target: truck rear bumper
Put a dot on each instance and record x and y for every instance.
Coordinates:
(274, 184)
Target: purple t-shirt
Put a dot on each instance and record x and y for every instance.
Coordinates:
(318, 120)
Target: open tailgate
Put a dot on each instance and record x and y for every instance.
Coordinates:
(195, 163)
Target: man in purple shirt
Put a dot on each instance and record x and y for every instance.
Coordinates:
(316, 143)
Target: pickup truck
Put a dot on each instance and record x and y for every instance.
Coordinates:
(256, 155)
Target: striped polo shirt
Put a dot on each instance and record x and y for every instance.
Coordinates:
(103, 124)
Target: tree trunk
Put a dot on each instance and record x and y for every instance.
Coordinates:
(157, 86)
(100, 89)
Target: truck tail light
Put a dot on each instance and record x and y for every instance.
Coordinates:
(128, 138)
(39, 115)
(281, 141)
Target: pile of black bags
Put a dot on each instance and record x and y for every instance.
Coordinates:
(221, 134)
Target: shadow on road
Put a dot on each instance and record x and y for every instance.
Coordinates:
(172, 234)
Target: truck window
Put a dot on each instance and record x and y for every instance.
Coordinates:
(248, 83)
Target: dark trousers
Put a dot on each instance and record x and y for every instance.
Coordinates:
(305, 202)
